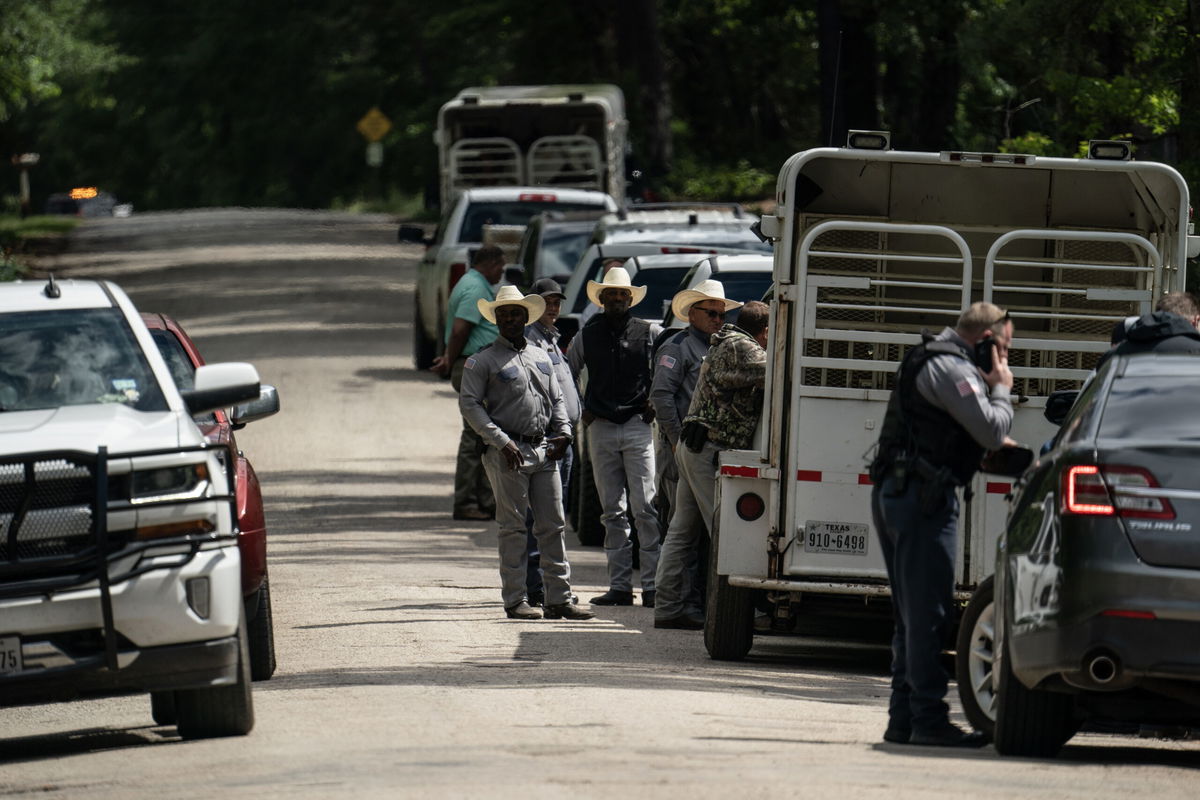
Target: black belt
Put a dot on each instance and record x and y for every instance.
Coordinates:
(533, 439)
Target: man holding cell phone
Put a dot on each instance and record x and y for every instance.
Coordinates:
(951, 404)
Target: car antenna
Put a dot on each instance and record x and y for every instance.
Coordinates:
(52, 291)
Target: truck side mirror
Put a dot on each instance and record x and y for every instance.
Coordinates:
(515, 274)
(1007, 461)
(1059, 404)
(411, 234)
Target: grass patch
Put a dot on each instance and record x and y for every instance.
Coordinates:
(22, 238)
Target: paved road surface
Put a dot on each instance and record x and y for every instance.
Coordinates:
(398, 674)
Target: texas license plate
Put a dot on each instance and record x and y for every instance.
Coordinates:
(10, 654)
(841, 538)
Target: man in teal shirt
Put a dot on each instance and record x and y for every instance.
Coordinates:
(466, 332)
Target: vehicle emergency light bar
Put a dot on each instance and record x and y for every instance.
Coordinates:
(961, 157)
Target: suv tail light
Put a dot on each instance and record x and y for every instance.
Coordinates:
(456, 272)
(1111, 489)
(544, 197)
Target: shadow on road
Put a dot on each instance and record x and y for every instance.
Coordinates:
(88, 740)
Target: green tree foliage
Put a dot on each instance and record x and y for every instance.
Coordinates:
(183, 104)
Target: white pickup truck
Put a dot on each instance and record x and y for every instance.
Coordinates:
(119, 565)
(459, 233)
(872, 246)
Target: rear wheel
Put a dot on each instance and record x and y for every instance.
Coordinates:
(262, 633)
(1030, 722)
(729, 616)
(219, 710)
(974, 657)
(424, 348)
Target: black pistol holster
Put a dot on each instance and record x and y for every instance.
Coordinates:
(693, 435)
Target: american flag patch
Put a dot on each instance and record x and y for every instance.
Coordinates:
(666, 361)
(964, 388)
(470, 363)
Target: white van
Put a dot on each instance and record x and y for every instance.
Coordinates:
(872, 246)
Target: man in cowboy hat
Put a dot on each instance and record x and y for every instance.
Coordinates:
(722, 416)
(543, 333)
(510, 397)
(676, 367)
(466, 332)
(614, 348)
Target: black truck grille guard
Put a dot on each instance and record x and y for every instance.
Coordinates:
(70, 488)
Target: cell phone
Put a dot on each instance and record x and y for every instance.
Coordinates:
(984, 351)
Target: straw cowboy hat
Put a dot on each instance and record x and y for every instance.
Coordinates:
(615, 278)
(511, 296)
(705, 290)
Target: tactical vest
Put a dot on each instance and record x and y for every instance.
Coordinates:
(916, 428)
(618, 365)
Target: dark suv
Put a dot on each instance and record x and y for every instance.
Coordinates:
(1097, 586)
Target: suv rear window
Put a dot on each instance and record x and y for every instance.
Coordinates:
(73, 357)
(1162, 407)
(515, 212)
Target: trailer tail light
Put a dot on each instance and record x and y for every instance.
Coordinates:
(961, 157)
(456, 272)
(671, 250)
(544, 197)
(750, 506)
(1114, 490)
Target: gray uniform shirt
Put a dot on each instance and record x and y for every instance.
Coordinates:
(957, 388)
(547, 338)
(676, 369)
(508, 392)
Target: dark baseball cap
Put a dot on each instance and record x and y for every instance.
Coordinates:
(547, 287)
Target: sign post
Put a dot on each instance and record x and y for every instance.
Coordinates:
(23, 162)
(373, 126)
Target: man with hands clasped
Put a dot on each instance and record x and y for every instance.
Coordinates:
(511, 398)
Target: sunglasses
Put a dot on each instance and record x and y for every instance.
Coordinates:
(711, 313)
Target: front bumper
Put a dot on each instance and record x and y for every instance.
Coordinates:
(195, 665)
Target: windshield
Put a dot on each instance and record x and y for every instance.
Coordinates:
(744, 286)
(73, 357)
(561, 251)
(516, 212)
(1162, 408)
(660, 290)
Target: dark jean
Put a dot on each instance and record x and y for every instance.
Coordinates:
(919, 550)
(533, 563)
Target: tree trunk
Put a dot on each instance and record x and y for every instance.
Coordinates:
(640, 39)
(849, 62)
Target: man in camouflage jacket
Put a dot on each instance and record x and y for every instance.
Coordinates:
(722, 416)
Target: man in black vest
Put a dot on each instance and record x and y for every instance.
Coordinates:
(945, 412)
(614, 347)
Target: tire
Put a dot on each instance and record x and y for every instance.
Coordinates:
(262, 633)
(162, 707)
(424, 348)
(590, 527)
(729, 616)
(219, 710)
(1030, 722)
(974, 657)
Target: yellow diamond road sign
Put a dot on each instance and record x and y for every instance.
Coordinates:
(374, 125)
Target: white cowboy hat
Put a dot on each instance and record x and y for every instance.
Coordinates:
(615, 278)
(705, 290)
(511, 296)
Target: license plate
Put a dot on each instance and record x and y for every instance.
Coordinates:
(10, 654)
(842, 538)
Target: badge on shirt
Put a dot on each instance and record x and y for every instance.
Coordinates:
(667, 361)
(965, 388)
(470, 363)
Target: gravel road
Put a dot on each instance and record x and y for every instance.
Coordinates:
(398, 674)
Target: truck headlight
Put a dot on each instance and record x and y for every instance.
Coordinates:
(189, 480)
